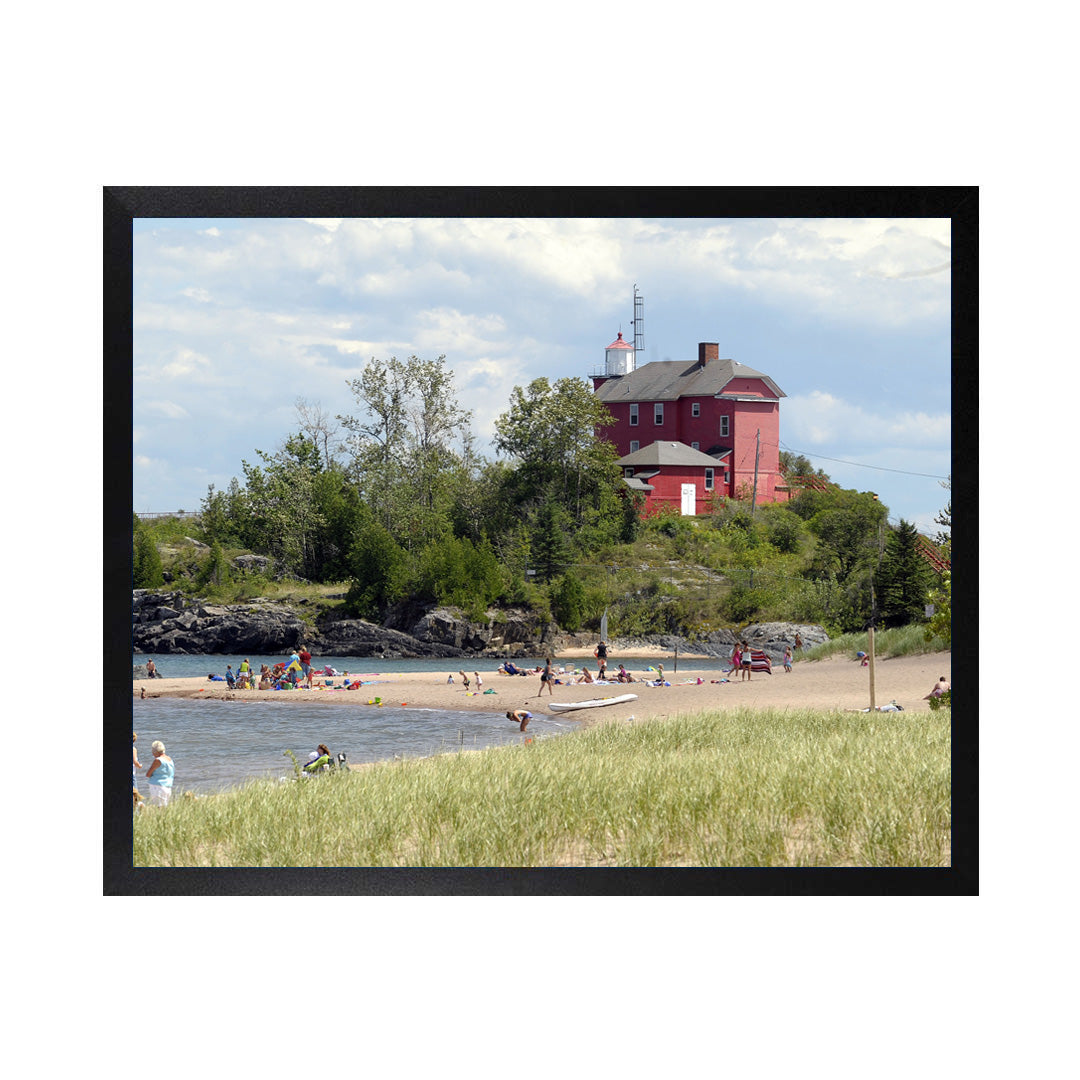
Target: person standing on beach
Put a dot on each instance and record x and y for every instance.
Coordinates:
(305, 662)
(798, 641)
(160, 775)
(736, 659)
(787, 659)
(600, 652)
(479, 681)
(746, 660)
(465, 680)
(547, 678)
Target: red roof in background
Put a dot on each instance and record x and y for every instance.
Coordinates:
(618, 343)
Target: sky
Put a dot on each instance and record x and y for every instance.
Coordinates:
(234, 319)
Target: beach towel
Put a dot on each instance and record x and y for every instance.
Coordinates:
(759, 661)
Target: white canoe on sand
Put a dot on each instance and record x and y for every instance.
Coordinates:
(595, 703)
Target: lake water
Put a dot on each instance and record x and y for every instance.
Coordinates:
(219, 744)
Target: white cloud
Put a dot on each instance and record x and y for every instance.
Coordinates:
(184, 364)
(212, 231)
(170, 409)
(197, 294)
(821, 420)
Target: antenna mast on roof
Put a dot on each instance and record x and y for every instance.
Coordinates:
(639, 325)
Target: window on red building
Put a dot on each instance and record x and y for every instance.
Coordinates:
(633, 415)
(658, 413)
(725, 425)
(708, 479)
(695, 409)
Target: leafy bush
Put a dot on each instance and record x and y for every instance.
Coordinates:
(146, 568)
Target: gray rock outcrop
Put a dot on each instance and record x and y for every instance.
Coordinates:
(169, 622)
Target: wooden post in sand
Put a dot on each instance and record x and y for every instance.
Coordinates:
(871, 650)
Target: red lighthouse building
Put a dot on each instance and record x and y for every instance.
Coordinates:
(724, 414)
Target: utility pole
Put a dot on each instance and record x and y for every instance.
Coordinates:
(870, 646)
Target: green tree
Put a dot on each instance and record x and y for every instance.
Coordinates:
(146, 568)
(286, 517)
(404, 456)
(215, 570)
(550, 548)
(940, 624)
(550, 430)
(944, 518)
(849, 528)
(568, 602)
(377, 568)
(903, 577)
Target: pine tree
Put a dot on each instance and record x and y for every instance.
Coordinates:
(903, 577)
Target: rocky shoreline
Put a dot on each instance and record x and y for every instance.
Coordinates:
(166, 623)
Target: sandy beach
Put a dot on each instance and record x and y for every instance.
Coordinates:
(834, 683)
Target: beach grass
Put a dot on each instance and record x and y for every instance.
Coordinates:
(895, 641)
(739, 788)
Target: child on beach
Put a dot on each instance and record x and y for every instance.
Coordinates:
(787, 658)
(464, 679)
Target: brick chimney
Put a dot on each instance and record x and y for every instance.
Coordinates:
(706, 351)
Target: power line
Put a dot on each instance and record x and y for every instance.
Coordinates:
(862, 465)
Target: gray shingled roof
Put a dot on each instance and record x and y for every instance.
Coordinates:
(668, 380)
(666, 453)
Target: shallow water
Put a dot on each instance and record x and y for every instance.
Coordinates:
(219, 744)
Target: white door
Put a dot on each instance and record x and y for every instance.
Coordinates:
(689, 500)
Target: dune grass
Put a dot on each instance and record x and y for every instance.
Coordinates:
(897, 641)
(741, 788)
